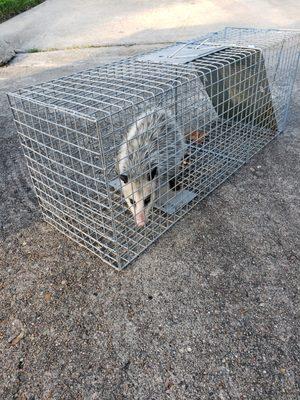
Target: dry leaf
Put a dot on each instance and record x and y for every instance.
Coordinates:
(197, 136)
(17, 338)
(282, 370)
(48, 297)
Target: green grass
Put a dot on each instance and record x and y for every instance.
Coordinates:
(9, 8)
(33, 50)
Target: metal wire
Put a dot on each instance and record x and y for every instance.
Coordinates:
(226, 106)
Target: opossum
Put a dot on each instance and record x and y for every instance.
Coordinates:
(149, 158)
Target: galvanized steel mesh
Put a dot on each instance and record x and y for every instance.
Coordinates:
(229, 104)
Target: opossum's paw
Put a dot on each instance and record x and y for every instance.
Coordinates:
(174, 184)
(185, 160)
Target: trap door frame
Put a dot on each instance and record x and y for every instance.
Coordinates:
(222, 70)
(237, 84)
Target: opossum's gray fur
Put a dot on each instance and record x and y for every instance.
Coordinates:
(149, 157)
(154, 140)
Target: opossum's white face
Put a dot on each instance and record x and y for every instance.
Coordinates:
(140, 195)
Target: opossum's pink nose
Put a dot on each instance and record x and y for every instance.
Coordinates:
(140, 219)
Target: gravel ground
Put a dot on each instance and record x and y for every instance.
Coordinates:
(209, 312)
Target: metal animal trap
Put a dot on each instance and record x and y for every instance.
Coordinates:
(117, 154)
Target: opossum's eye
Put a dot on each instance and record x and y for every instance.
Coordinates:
(147, 200)
(124, 178)
(132, 201)
(152, 174)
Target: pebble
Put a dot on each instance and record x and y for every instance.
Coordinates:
(282, 370)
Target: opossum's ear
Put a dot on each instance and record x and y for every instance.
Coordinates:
(152, 174)
(124, 178)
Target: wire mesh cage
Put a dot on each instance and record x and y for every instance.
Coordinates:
(117, 154)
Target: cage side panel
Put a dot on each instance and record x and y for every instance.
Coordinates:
(225, 119)
(65, 162)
